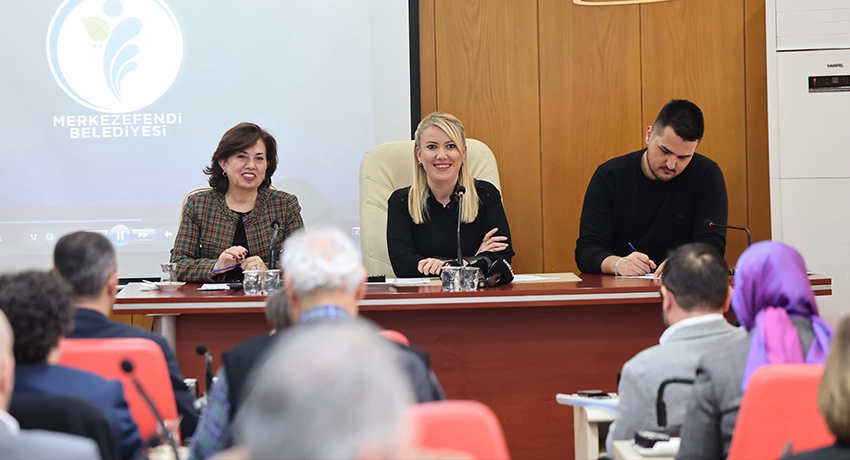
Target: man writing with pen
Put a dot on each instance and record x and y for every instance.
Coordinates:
(641, 205)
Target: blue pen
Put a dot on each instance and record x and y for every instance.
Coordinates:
(652, 270)
(224, 269)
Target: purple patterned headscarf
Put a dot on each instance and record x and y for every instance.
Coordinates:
(771, 286)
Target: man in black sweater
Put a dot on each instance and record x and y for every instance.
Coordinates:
(643, 204)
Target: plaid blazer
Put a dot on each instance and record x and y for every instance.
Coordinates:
(208, 227)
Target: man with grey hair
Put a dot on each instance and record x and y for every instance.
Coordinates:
(33, 444)
(325, 281)
(329, 390)
(86, 261)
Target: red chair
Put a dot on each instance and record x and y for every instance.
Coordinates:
(104, 356)
(466, 426)
(780, 405)
(395, 336)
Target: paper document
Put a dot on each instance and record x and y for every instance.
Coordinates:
(409, 281)
(527, 278)
(648, 276)
(607, 404)
(214, 287)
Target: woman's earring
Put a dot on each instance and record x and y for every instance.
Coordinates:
(225, 173)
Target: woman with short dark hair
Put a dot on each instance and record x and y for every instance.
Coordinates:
(229, 228)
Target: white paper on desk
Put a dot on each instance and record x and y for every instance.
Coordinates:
(214, 287)
(648, 276)
(528, 278)
(409, 281)
(608, 404)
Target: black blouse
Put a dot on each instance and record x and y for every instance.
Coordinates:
(408, 243)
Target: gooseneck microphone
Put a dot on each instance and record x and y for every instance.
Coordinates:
(202, 350)
(459, 191)
(127, 367)
(660, 407)
(710, 223)
(275, 228)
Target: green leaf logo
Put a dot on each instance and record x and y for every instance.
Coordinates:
(97, 28)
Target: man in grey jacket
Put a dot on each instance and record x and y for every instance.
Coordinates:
(695, 293)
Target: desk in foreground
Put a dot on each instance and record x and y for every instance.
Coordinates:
(511, 347)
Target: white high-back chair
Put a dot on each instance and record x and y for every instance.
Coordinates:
(388, 167)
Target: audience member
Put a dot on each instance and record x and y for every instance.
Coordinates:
(834, 398)
(331, 390)
(695, 293)
(277, 311)
(38, 306)
(31, 444)
(325, 280)
(773, 300)
(87, 262)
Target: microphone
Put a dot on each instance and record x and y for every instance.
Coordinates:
(660, 407)
(275, 227)
(459, 191)
(202, 350)
(710, 223)
(127, 367)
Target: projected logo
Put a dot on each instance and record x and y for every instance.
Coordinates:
(114, 56)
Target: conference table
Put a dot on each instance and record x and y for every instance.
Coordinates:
(511, 347)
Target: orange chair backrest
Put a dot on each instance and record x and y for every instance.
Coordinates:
(466, 426)
(780, 405)
(104, 356)
(395, 336)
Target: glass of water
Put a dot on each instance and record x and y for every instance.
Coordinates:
(271, 281)
(469, 278)
(169, 273)
(450, 277)
(252, 282)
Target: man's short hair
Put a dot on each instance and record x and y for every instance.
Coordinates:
(38, 306)
(328, 390)
(684, 117)
(277, 311)
(85, 260)
(321, 259)
(697, 276)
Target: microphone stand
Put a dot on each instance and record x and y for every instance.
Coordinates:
(127, 367)
(710, 223)
(460, 191)
(276, 227)
(660, 406)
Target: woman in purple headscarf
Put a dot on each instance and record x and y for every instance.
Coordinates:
(774, 302)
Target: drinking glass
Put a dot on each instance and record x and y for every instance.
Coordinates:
(169, 273)
(252, 282)
(271, 281)
(450, 276)
(469, 278)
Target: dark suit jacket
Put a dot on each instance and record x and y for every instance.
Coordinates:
(46, 379)
(62, 414)
(90, 324)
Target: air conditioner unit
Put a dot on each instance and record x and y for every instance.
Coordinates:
(808, 87)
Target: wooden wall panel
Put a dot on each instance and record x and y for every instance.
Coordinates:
(487, 75)
(694, 49)
(758, 167)
(590, 106)
(427, 58)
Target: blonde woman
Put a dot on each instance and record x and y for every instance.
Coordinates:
(422, 218)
